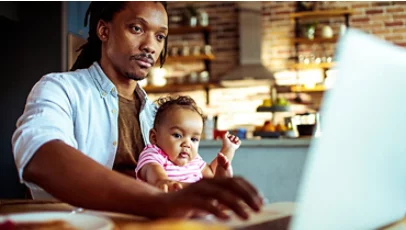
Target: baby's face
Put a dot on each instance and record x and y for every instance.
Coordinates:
(178, 135)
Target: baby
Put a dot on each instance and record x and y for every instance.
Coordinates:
(172, 160)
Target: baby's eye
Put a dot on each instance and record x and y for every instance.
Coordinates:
(194, 139)
(176, 135)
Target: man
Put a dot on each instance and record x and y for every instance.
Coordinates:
(74, 123)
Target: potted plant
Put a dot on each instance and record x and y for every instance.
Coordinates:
(309, 30)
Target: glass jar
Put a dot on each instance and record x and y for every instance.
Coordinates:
(203, 18)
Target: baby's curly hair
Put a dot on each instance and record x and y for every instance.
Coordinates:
(169, 102)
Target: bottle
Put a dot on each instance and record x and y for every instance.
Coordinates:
(209, 128)
(274, 94)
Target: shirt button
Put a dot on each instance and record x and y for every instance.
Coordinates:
(104, 93)
(115, 143)
(114, 111)
(113, 90)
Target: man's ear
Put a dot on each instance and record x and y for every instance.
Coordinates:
(152, 136)
(103, 30)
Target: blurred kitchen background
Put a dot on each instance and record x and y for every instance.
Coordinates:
(259, 69)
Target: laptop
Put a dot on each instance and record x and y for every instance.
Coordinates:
(355, 174)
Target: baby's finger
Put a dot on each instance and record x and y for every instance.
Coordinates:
(164, 187)
(177, 186)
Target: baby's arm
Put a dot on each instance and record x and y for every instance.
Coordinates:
(223, 168)
(207, 172)
(154, 174)
(230, 144)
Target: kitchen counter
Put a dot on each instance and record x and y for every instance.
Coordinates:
(266, 142)
(274, 166)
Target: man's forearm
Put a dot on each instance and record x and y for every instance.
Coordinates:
(72, 177)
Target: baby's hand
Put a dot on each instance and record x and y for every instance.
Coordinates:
(223, 167)
(230, 144)
(168, 185)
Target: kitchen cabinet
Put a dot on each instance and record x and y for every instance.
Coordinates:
(76, 18)
(274, 166)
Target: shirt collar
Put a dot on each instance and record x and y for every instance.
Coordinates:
(107, 86)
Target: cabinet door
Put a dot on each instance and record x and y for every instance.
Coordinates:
(76, 18)
(83, 30)
(72, 17)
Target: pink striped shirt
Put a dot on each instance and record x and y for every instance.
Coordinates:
(191, 172)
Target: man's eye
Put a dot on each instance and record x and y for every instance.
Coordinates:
(161, 37)
(195, 139)
(136, 29)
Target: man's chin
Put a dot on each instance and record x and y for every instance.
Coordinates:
(135, 77)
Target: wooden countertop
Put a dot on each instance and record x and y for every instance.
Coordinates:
(271, 216)
(274, 216)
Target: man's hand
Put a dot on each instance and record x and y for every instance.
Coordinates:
(168, 185)
(230, 144)
(212, 195)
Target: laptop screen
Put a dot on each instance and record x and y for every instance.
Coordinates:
(355, 174)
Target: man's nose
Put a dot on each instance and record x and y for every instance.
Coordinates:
(147, 44)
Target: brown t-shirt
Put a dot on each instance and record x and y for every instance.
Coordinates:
(130, 141)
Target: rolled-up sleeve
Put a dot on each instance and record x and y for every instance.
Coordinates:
(48, 115)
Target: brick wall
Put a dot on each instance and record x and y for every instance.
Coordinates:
(386, 20)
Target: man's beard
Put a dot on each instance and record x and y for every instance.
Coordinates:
(140, 56)
(134, 76)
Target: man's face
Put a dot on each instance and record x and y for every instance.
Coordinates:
(136, 38)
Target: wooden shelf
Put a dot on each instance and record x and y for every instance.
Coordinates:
(317, 88)
(193, 58)
(302, 89)
(312, 65)
(274, 108)
(315, 40)
(173, 88)
(320, 13)
(188, 29)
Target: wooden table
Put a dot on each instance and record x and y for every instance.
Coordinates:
(273, 216)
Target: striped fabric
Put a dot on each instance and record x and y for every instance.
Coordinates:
(191, 172)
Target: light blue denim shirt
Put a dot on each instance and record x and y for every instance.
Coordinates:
(79, 108)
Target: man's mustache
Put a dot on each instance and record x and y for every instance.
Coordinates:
(143, 57)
